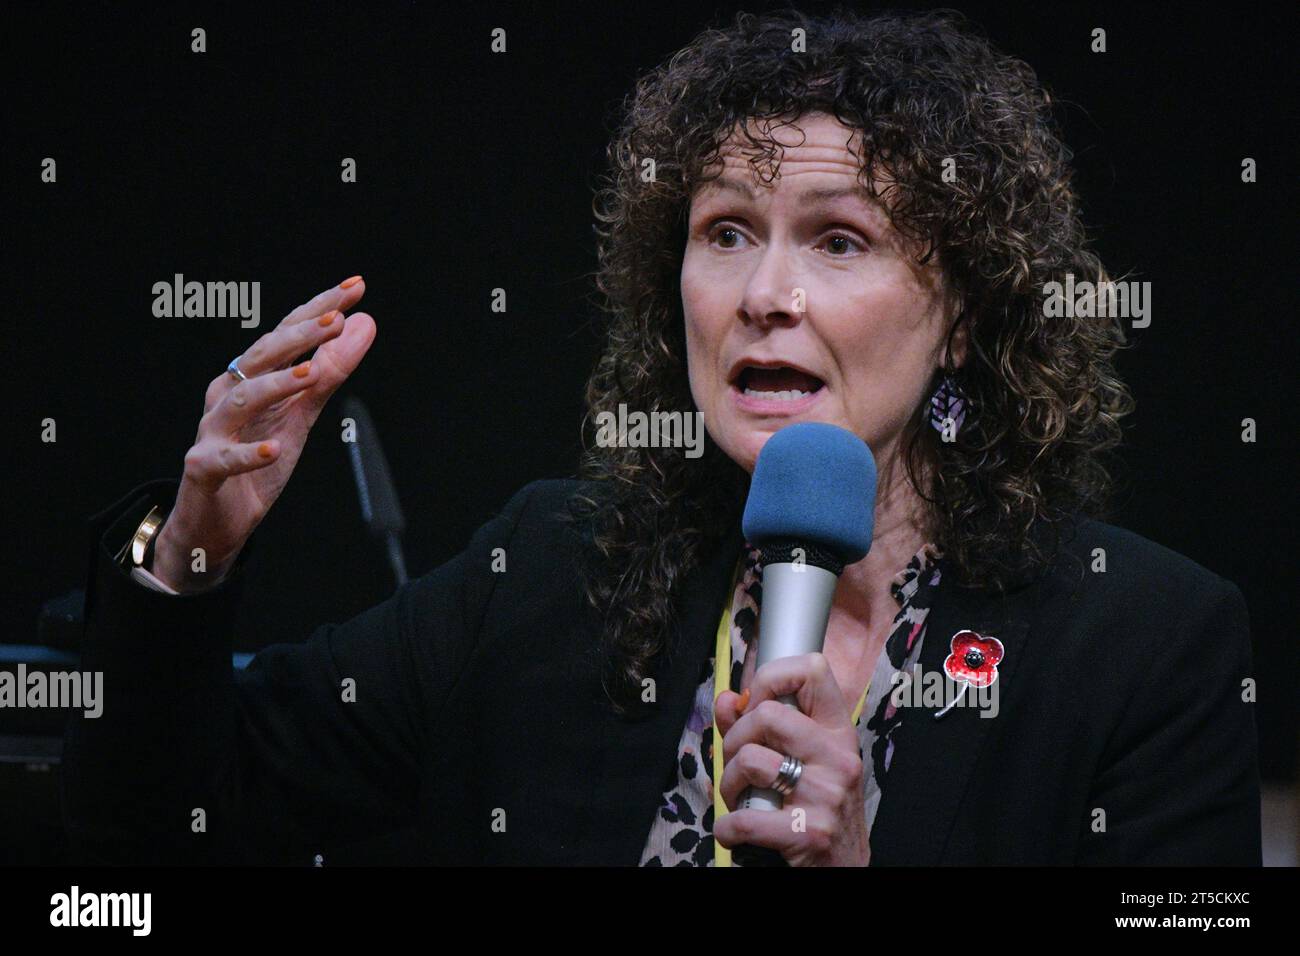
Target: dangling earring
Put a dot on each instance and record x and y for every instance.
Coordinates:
(948, 404)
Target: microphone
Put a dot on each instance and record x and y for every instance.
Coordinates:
(810, 512)
(379, 506)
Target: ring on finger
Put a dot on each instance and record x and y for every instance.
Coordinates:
(788, 776)
(234, 369)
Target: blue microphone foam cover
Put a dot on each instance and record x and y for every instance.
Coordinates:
(813, 482)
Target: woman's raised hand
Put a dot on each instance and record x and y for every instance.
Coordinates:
(252, 433)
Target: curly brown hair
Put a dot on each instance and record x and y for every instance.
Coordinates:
(1044, 400)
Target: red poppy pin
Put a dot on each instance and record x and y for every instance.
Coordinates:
(972, 661)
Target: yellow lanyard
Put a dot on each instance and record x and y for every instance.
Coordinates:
(721, 682)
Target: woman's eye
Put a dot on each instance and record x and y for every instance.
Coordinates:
(726, 236)
(839, 244)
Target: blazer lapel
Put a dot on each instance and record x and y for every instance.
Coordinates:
(638, 751)
(933, 758)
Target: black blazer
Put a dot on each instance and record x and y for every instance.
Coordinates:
(479, 731)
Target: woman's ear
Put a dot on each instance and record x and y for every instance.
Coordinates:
(959, 333)
(960, 341)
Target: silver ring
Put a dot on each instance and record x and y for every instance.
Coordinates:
(233, 369)
(788, 776)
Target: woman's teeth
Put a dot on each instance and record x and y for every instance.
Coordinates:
(788, 396)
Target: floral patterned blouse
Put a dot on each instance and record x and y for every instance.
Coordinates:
(682, 832)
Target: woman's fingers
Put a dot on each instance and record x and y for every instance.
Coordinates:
(316, 320)
(293, 336)
(770, 828)
(252, 397)
(211, 462)
(809, 678)
(332, 363)
(780, 727)
(341, 297)
(754, 765)
(727, 708)
(338, 357)
(284, 343)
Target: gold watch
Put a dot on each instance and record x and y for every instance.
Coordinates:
(137, 551)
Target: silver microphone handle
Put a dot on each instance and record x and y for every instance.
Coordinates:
(796, 606)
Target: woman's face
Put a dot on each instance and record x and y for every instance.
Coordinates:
(803, 304)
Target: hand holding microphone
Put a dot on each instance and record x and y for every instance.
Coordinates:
(818, 730)
(810, 512)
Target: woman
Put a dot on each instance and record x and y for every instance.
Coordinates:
(843, 220)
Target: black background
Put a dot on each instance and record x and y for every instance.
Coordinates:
(476, 172)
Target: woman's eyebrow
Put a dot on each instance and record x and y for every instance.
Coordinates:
(812, 201)
(873, 210)
(734, 185)
(828, 193)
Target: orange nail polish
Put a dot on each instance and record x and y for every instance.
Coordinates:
(302, 371)
(264, 449)
(349, 283)
(327, 319)
(743, 702)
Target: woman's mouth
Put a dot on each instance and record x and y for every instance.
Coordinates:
(776, 390)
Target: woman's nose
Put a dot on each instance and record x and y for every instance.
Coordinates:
(772, 295)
